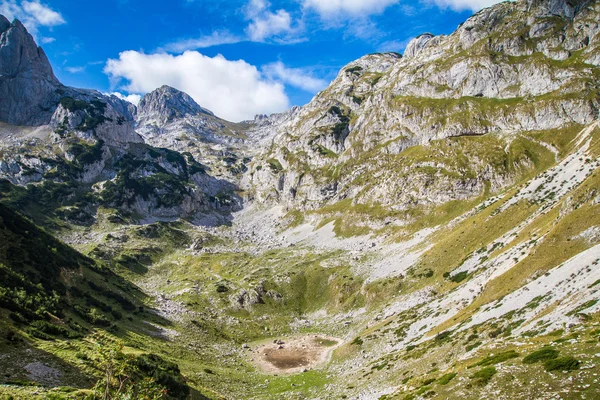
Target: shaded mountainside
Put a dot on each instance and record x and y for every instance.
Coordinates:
(50, 291)
(431, 220)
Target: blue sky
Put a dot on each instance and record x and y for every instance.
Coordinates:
(236, 57)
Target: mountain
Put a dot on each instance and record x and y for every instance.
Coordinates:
(52, 291)
(78, 150)
(513, 68)
(427, 227)
(170, 118)
(165, 104)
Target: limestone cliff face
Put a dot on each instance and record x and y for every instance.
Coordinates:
(27, 84)
(514, 67)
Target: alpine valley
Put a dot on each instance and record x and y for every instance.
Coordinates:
(428, 226)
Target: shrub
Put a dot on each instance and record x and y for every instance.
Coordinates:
(498, 358)
(358, 341)
(354, 70)
(444, 380)
(483, 376)
(547, 353)
(562, 364)
(275, 165)
(461, 276)
(440, 337)
(164, 373)
(73, 105)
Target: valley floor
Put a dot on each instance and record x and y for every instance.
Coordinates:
(501, 301)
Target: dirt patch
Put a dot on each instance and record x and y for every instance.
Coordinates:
(293, 355)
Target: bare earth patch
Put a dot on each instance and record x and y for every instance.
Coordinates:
(294, 355)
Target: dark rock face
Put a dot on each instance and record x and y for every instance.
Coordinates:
(26, 78)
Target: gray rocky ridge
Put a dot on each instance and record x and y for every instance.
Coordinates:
(481, 79)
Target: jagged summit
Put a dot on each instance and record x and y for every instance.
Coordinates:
(166, 104)
(26, 77)
(4, 24)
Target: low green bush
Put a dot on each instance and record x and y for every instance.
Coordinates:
(445, 379)
(567, 363)
(547, 353)
(483, 376)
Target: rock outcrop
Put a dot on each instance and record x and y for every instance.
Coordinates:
(28, 87)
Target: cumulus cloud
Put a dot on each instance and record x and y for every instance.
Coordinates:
(132, 98)
(234, 90)
(332, 8)
(43, 14)
(33, 14)
(296, 77)
(460, 5)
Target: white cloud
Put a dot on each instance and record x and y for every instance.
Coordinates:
(43, 14)
(132, 98)
(216, 39)
(297, 77)
(332, 8)
(461, 5)
(397, 46)
(270, 24)
(74, 70)
(46, 40)
(234, 90)
(362, 8)
(265, 24)
(33, 14)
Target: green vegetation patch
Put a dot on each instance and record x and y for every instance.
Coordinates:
(497, 358)
(547, 353)
(484, 375)
(565, 364)
(445, 379)
(275, 165)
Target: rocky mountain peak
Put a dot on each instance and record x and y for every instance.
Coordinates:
(166, 104)
(4, 24)
(20, 54)
(26, 77)
(417, 44)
